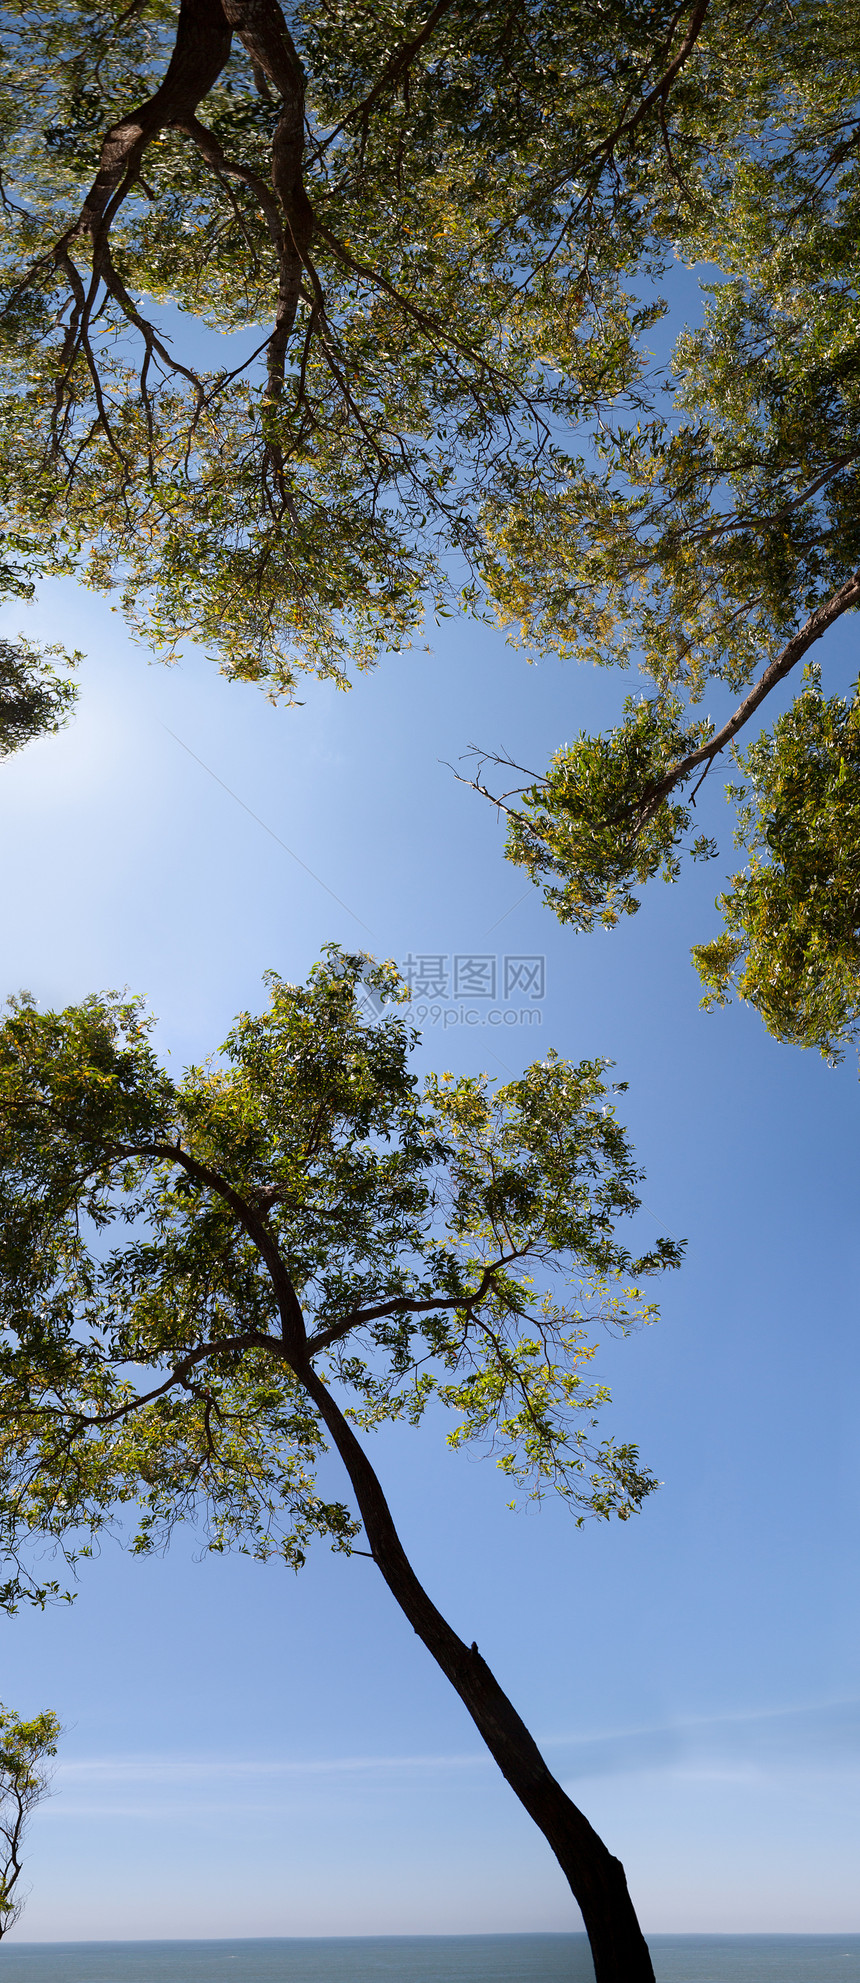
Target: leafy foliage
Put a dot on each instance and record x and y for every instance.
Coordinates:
(26, 1748)
(718, 540)
(35, 700)
(791, 943)
(181, 1263)
(423, 221)
(590, 821)
(429, 241)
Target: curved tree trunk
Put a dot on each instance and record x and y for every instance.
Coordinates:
(596, 1879)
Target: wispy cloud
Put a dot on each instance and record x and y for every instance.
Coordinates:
(819, 1736)
(194, 1769)
(748, 1745)
(157, 1786)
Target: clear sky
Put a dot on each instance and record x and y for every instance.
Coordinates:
(253, 1753)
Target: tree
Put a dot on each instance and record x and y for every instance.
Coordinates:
(36, 695)
(714, 538)
(35, 699)
(25, 1750)
(204, 1281)
(425, 220)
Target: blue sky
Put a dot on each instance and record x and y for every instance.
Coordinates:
(254, 1753)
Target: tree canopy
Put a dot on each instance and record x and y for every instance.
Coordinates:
(27, 1749)
(35, 698)
(716, 543)
(298, 1201)
(421, 221)
(193, 1273)
(430, 242)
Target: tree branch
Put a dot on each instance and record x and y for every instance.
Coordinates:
(201, 49)
(177, 1376)
(263, 31)
(393, 70)
(406, 1305)
(818, 623)
(289, 1307)
(659, 93)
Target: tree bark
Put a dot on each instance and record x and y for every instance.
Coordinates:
(262, 28)
(596, 1879)
(201, 49)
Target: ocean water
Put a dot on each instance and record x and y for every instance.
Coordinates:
(430, 1959)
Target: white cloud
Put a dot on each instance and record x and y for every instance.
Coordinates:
(745, 1745)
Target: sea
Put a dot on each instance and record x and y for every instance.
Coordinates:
(430, 1959)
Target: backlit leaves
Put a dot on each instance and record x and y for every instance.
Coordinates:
(175, 1257)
